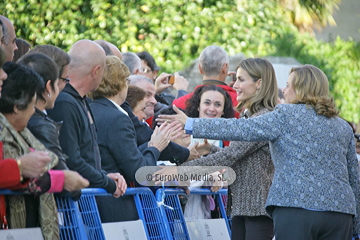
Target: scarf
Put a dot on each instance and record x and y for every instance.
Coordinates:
(16, 144)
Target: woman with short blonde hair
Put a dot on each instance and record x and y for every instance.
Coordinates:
(114, 79)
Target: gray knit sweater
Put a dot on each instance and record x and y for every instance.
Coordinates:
(314, 156)
(254, 172)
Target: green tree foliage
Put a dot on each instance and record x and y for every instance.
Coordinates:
(175, 32)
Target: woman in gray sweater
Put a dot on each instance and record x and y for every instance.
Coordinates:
(315, 191)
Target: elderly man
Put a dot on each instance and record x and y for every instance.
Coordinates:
(133, 62)
(213, 65)
(9, 40)
(136, 67)
(173, 152)
(78, 133)
(146, 84)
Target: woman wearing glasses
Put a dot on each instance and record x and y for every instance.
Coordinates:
(60, 57)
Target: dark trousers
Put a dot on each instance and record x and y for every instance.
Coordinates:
(251, 228)
(302, 224)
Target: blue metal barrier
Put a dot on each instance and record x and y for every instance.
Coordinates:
(146, 206)
(175, 224)
(81, 221)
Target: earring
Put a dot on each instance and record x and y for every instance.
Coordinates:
(49, 95)
(257, 88)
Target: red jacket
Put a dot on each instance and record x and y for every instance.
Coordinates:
(10, 175)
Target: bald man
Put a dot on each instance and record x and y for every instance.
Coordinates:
(78, 133)
(9, 40)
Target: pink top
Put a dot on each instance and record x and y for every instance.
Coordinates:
(57, 179)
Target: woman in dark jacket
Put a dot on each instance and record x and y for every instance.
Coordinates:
(40, 125)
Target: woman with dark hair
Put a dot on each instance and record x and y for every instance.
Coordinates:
(12, 170)
(136, 98)
(16, 107)
(60, 57)
(200, 101)
(41, 125)
(209, 101)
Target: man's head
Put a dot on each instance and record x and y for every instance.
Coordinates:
(105, 46)
(147, 85)
(109, 48)
(214, 63)
(115, 50)
(148, 64)
(9, 40)
(86, 66)
(133, 62)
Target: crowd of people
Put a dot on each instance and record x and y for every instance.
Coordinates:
(94, 116)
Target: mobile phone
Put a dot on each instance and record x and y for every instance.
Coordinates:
(171, 80)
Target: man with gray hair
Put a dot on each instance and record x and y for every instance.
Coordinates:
(173, 152)
(8, 42)
(78, 137)
(133, 62)
(213, 65)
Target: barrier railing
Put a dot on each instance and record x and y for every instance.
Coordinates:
(162, 215)
(168, 200)
(81, 220)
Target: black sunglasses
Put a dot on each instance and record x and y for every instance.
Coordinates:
(67, 80)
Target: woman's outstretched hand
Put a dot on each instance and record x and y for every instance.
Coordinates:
(179, 116)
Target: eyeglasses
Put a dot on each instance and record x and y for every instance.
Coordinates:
(146, 70)
(67, 80)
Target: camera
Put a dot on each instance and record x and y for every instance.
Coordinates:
(171, 80)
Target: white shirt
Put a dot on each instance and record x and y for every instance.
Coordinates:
(118, 107)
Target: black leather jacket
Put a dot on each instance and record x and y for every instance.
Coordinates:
(47, 131)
